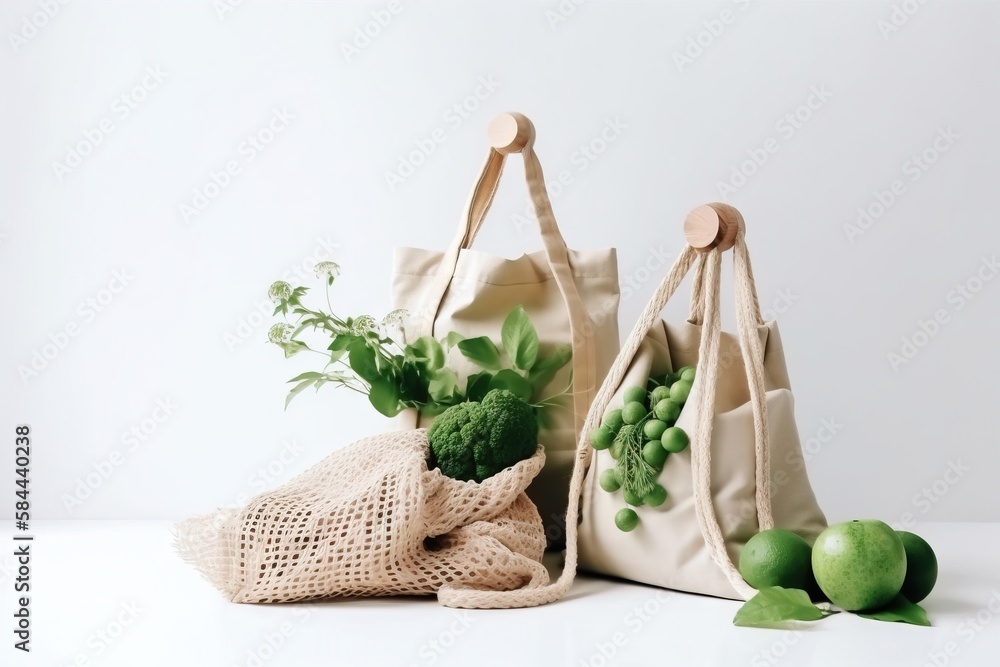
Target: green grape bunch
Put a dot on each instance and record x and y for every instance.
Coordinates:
(639, 437)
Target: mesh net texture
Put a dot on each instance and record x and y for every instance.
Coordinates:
(370, 519)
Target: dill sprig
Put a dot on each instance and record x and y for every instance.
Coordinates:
(637, 476)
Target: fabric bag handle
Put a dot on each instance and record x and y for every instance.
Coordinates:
(696, 313)
(584, 360)
(707, 376)
(708, 277)
(748, 308)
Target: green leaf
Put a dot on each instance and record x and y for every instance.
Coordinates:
(771, 606)
(546, 367)
(899, 610)
(303, 325)
(514, 383)
(362, 361)
(296, 390)
(428, 348)
(293, 347)
(520, 340)
(543, 418)
(343, 342)
(311, 375)
(413, 383)
(433, 410)
(478, 385)
(384, 396)
(481, 351)
(453, 339)
(442, 386)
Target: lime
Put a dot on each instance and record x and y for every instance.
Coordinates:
(634, 412)
(859, 565)
(656, 497)
(653, 429)
(613, 420)
(632, 499)
(602, 437)
(667, 410)
(674, 439)
(679, 391)
(654, 454)
(635, 395)
(921, 567)
(626, 520)
(659, 394)
(609, 481)
(686, 374)
(777, 558)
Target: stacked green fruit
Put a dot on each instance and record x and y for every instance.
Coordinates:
(858, 565)
(639, 437)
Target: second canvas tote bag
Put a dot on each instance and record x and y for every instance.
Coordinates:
(743, 471)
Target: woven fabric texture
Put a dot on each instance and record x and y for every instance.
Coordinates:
(370, 520)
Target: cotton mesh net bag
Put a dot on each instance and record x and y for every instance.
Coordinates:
(371, 519)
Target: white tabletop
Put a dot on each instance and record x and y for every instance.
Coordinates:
(114, 593)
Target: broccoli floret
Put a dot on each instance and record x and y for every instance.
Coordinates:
(473, 441)
(513, 433)
(449, 437)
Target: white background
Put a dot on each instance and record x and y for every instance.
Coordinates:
(185, 329)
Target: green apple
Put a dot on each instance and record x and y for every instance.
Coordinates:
(859, 565)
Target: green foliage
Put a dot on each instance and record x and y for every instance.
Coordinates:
(374, 359)
(520, 340)
(429, 351)
(899, 610)
(638, 477)
(775, 605)
(477, 385)
(482, 351)
(513, 382)
(547, 365)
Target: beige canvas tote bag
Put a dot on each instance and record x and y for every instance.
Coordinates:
(743, 471)
(571, 297)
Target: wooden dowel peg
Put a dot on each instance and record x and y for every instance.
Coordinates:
(510, 132)
(713, 225)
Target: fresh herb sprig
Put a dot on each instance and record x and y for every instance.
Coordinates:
(372, 356)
